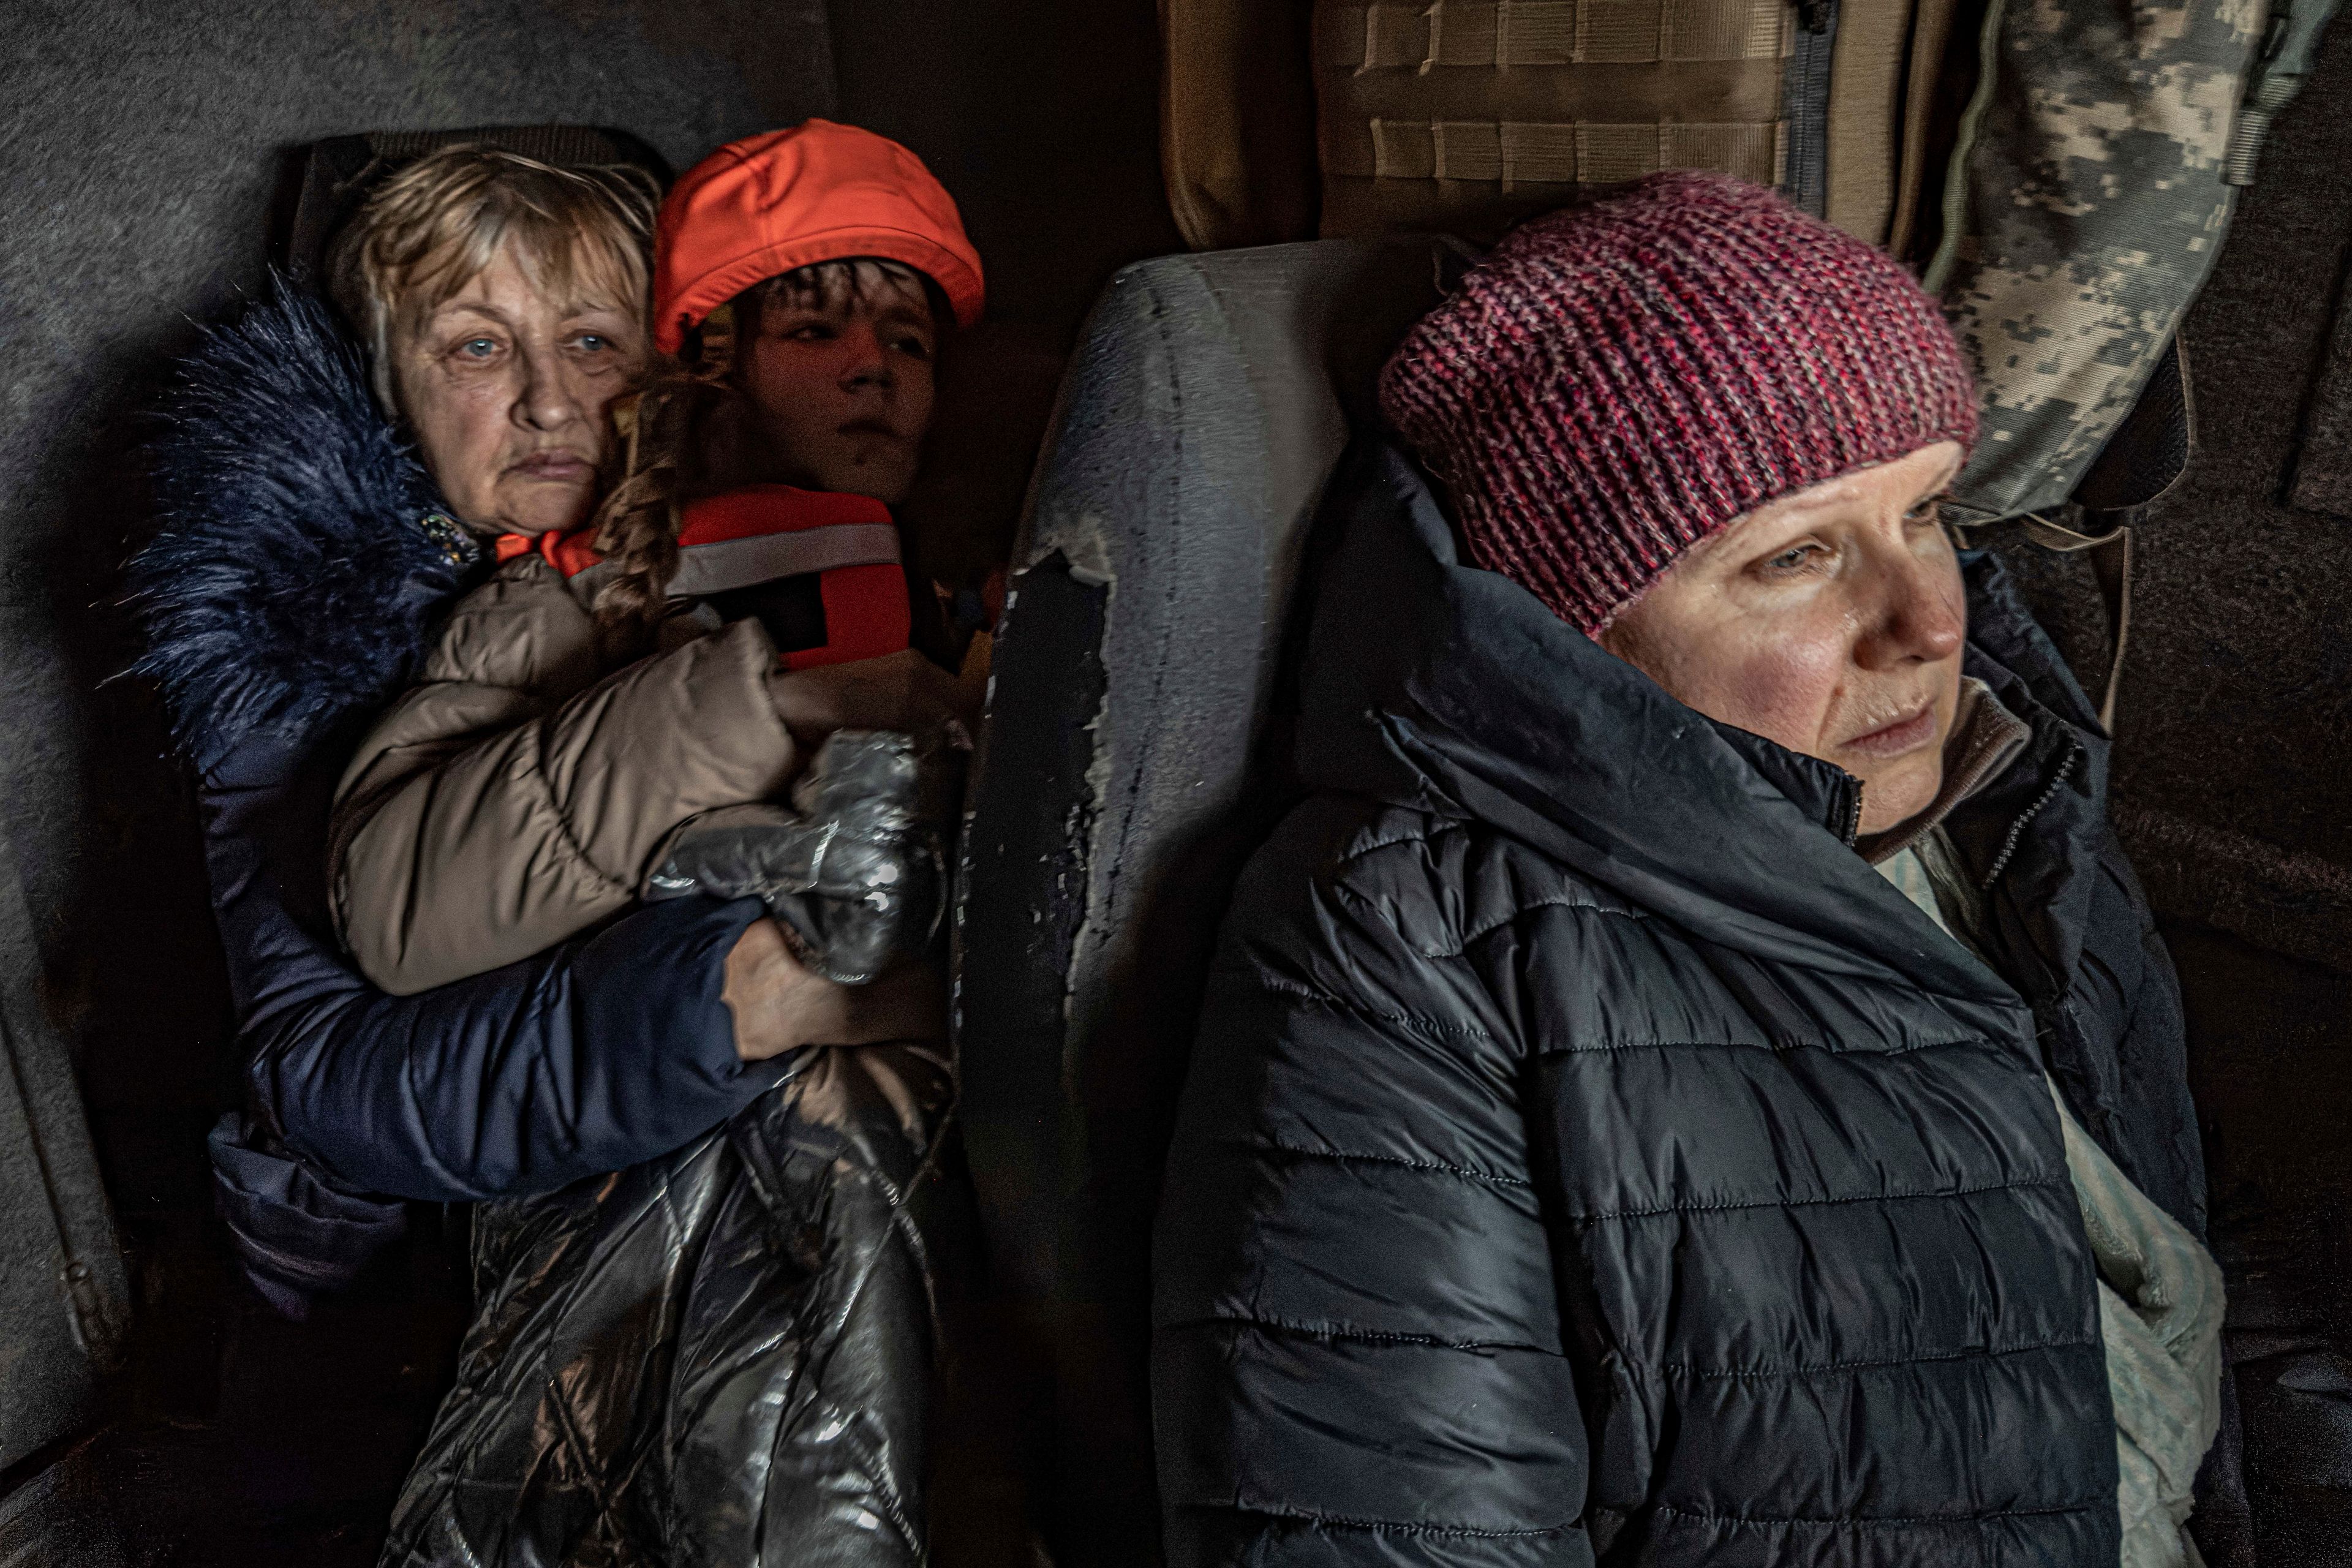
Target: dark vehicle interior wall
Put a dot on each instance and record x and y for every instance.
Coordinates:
(145, 150)
(2232, 751)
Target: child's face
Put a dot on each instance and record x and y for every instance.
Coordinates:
(842, 389)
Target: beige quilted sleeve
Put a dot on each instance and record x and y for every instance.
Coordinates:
(512, 799)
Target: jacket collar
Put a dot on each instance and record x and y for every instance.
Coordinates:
(1439, 686)
(2027, 838)
(1986, 738)
(303, 554)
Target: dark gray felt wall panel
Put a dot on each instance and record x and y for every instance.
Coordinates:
(141, 146)
(1042, 117)
(2234, 761)
(2236, 725)
(2233, 753)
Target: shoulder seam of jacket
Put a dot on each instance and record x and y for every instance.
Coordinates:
(1340, 888)
(541, 744)
(1966, 1352)
(1330, 999)
(1868, 1521)
(1437, 828)
(1343, 1155)
(1780, 1045)
(523, 572)
(1385, 1526)
(2060, 1180)
(1362, 1335)
(1563, 902)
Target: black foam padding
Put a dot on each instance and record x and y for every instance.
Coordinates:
(2150, 449)
(1021, 907)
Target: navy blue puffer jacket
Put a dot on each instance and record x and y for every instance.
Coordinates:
(1586, 1157)
(286, 599)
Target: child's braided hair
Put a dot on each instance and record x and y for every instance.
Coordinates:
(637, 525)
(686, 440)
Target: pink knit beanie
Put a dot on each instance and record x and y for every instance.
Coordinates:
(1617, 381)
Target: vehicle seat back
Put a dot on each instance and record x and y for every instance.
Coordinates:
(330, 179)
(1132, 763)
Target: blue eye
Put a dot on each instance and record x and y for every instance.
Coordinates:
(480, 348)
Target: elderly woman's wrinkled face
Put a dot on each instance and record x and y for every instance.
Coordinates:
(509, 394)
(1830, 621)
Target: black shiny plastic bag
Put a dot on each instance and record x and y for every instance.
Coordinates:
(725, 1356)
(854, 871)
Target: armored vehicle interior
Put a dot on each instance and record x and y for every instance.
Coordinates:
(1191, 288)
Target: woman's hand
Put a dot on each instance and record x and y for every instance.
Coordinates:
(901, 690)
(780, 1006)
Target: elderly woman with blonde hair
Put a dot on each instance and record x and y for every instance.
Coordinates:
(502, 305)
(722, 1351)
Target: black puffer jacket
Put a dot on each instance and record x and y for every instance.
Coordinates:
(1586, 1155)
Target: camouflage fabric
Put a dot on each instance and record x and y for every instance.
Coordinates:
(2085, 207)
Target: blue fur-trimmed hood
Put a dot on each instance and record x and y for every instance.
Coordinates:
(304, 551)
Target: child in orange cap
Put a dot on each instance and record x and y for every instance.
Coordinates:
(657, 680)
(802, 281)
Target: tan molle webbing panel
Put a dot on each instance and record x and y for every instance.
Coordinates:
(1287, 118)
(1469, 114)
(1912, 96)
(1237, 122)
(1463, 116)
(1866, 114)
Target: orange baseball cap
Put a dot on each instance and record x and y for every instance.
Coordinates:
(818, 192)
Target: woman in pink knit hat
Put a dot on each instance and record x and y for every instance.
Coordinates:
(1695, 1082)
